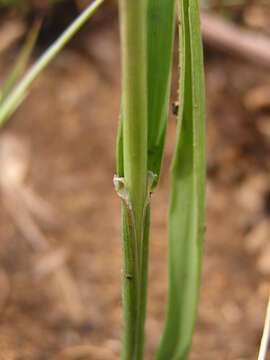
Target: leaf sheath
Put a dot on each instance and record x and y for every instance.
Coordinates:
(160, 33)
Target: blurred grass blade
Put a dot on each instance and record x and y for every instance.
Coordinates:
(16, 96)
(20, 62)
(160, 35)
(186, 218)
(8, 2)
(266, 335)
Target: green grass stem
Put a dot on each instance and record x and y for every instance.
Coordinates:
(159, 43)
(134, 141)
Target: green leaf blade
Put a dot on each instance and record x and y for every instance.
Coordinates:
(160, 36)
(186, 217)
(14, 99)
(20, 62)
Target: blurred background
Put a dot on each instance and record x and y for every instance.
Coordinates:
(60, 244)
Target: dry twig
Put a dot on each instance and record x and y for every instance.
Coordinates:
(225, 36)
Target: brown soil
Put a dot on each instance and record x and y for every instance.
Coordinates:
(69, 123)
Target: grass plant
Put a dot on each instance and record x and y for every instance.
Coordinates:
(146, 64)
(147, 30)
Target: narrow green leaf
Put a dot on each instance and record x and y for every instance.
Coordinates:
(186, 218)
(14, 99)
(160, 36)
(20, 62)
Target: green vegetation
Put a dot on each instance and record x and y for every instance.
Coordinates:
(147, 36)
(20, 63)
(186, 217)
(18, 93)
(146, 64)
(9, 2)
